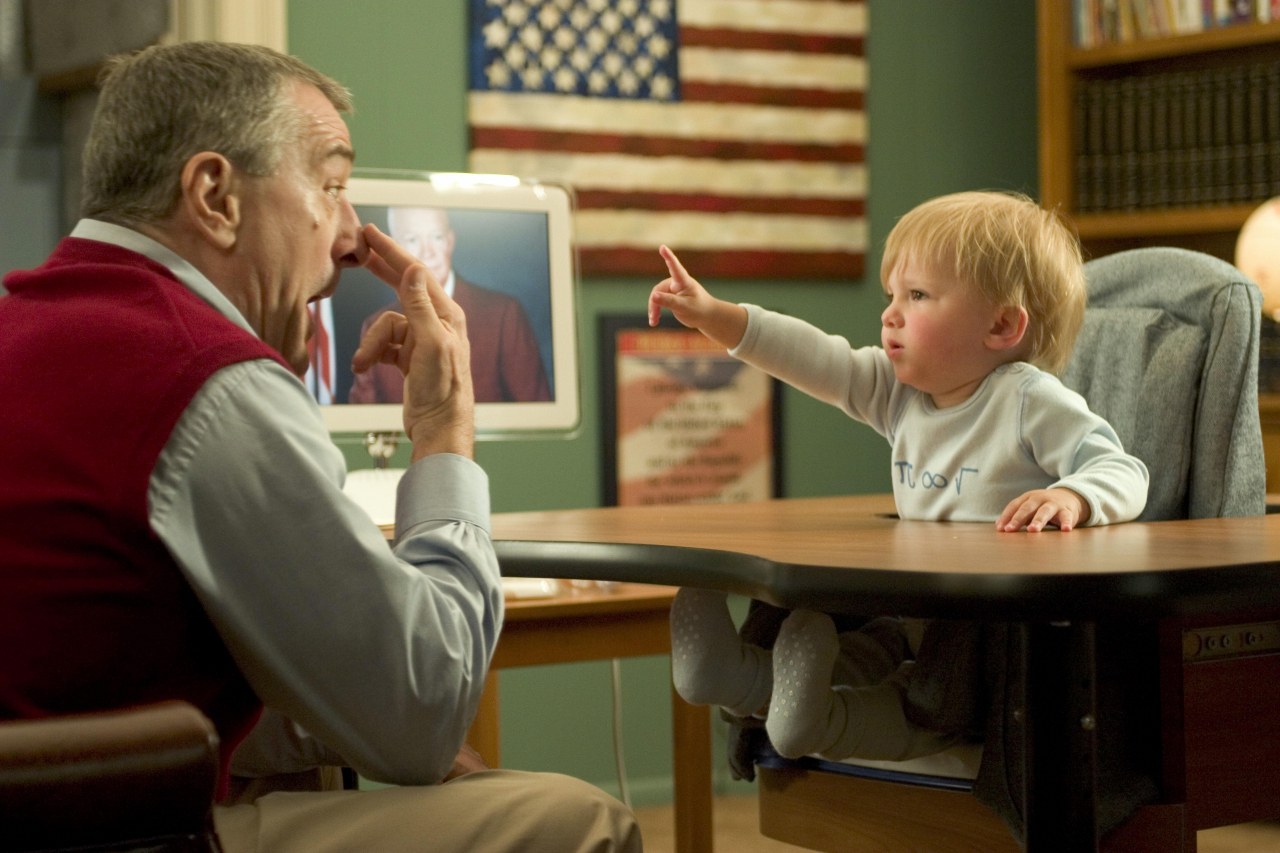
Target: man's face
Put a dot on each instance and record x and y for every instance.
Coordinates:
(426, 234)
(299, 230)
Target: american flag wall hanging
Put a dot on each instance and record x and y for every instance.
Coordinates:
(731, 130)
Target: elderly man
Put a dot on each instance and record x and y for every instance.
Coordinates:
(171, 517)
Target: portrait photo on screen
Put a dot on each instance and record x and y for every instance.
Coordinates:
(503, 251)
(494, 263)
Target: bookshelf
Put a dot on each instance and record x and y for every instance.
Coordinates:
(1242, 54)
(1170, 139)
(1269, 414)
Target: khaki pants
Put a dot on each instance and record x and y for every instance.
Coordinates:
(490, 811)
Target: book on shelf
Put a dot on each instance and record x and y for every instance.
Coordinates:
(1099, 22)
(1177, 138)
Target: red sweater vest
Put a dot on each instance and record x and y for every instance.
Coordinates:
(101, 350)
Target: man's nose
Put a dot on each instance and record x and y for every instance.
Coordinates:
(350, 249)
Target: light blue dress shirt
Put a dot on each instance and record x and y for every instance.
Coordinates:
(378, 652)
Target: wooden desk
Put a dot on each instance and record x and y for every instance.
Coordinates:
(849, 554)
(629, 621)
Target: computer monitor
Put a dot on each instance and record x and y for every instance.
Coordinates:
(513, 273)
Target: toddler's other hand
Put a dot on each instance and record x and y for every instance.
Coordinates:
(1040, 508)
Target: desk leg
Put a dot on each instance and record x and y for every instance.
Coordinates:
(691, 735)
(485, 733)
(1062, 749)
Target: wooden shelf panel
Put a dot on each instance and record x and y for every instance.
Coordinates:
(1162, 223)
(1141, 50)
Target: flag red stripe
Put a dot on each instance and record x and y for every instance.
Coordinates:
(782, 262)
(732, 93)
(588, 199)
(691, 36)
(522, 139)
(726, 263)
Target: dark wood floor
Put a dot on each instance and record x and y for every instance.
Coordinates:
(736, 831)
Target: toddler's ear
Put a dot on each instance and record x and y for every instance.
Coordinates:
(1008, 328)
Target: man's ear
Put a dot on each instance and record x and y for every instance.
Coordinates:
(210, 198)
(1008, 328)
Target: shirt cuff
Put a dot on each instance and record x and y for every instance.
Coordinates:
(442, 487)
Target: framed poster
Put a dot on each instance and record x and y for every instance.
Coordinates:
(684, 422)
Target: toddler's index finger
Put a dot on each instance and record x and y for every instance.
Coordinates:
(679, 275)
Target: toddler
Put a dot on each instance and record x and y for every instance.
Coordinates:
(985, 294)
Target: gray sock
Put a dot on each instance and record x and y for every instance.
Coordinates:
(710, 664)
(804, 714)
(810, 715)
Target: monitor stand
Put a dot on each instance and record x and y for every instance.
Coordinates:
(375, 490)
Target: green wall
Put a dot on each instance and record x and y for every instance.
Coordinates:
(951, 106)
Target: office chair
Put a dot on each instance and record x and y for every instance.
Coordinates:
(141, 779)
(1168, 354)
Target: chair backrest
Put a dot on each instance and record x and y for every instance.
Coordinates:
(1169, 355)
(137, 778)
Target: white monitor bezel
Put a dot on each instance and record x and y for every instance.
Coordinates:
(559, 417)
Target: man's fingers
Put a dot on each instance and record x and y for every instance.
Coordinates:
(426, 306)
(387, 259)
(382, 342)
(395, 256)
(376, 265)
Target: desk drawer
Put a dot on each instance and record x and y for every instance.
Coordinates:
(1231, 731)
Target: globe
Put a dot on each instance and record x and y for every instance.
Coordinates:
(1258, 254)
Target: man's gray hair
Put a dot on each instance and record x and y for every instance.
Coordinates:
(162, 105)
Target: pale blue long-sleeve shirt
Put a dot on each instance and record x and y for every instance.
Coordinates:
(378, 652)
(1022, 429)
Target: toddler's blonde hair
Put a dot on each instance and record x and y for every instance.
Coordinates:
(1016, 252)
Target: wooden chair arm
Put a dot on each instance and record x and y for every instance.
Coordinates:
(141, 774)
